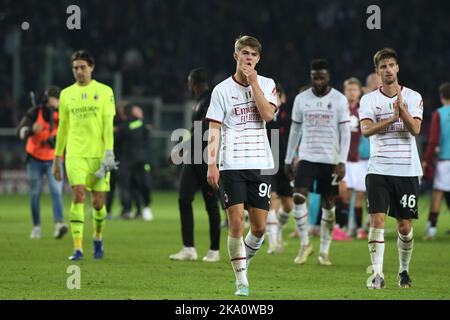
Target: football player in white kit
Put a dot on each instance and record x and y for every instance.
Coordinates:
(240, 107)
(321, 124)
(391, 116)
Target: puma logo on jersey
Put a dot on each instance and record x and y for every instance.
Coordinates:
(235, 98)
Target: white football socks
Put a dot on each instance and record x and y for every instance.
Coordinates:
(376, 249)
(301, 221)
(283, 218)
(238, 259)
(405, 244)
(326, 229)
(252, 245)
(271, 227)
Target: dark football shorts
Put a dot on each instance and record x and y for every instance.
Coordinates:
(396, 196)
(324, 174)
(245, 186)
(281, 184)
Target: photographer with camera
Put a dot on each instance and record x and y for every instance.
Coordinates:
(39, 127)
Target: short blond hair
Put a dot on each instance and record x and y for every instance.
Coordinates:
(352, 80)
(247, 41)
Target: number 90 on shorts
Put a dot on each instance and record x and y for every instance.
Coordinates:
(246, 186)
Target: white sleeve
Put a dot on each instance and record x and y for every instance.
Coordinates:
(365, 110)
(344, 131)
(270, 92)
(415, 105)
(345, 111)
(297, 115)
(216, 110)
(295, 135)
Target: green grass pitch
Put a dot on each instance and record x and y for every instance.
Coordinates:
(136, 263)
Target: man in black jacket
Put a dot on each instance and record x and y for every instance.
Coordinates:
(134, 176)
(193, 176)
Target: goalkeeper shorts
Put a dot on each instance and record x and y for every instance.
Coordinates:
(81, 171)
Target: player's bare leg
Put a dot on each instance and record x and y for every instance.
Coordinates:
(236, 247)
(405, 244)
(376, 250)
(301, 221)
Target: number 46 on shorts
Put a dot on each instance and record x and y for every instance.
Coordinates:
(408, 201)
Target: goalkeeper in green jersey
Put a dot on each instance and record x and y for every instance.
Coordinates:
(86, 117)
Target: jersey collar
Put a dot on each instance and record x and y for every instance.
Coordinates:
(239, 83)
(384, 94)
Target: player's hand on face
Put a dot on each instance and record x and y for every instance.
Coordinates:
(340, 171)
(250, 73)
(289, 171)
(213, 176)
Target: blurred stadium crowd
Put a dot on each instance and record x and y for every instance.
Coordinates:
(154, 44)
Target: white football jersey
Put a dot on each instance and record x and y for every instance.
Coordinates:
(320, 118)
(244, 144)
(394, 151)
